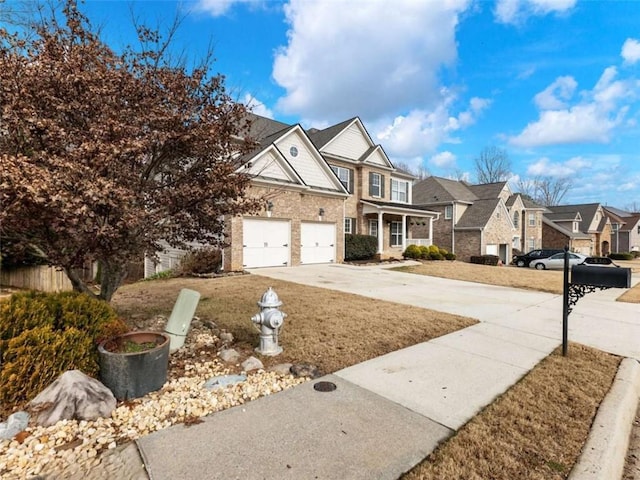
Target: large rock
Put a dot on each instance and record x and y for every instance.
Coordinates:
(252, 363)
(16, 423)
(73, 395)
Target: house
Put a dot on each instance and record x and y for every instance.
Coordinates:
(380, 196)
(479, 219)
(316, 186)
(584, 228)
(625, 230)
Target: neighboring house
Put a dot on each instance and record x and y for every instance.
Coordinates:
(479, 219)
(625, 230)
(584, 228)
(380, 196)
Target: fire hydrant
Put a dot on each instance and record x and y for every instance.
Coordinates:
(270, 319)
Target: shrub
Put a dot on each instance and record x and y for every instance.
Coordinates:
(43, 335)
(443, 252)
(436, 256)
(425, 253)
(203, 260)
(485, 259)
(635, 253)
(412, 251)
(450, 256)
(621, 256)
(360, 247)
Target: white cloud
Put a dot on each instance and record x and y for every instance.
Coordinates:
(554, 97)
(631, 51)
(547, 168)
(443, 160)
(364, 58)
(517, 11)
(256, 106)
(593, 119)
(217, 8)
(422, 131)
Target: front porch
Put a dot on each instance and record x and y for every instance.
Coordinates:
(389, 222)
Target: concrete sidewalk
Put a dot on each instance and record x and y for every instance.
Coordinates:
(388, 413)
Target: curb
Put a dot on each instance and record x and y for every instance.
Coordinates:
(605, 451)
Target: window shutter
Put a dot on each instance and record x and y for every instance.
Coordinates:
(371, 184)
(350, 188)
(381, 186)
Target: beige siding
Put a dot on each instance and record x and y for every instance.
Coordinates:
(305, 163)
(268, 166)
(377, 158)
(351, 143)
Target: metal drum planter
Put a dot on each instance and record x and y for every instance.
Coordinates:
(133, 374)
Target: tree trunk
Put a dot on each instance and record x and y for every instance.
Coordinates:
(78, 284)
(112, 276)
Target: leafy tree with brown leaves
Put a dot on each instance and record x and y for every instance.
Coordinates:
(103, 155)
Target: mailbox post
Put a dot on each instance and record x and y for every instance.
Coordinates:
(586, 278)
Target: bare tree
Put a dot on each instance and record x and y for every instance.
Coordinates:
(527, 188)
(633, 207)
(551, 190)
(419, 171)
(104, 155)
(492, 165)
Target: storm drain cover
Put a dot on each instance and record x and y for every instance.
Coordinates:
(324, 386)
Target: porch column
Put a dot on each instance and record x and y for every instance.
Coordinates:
(405, 232)
(380, 233)
(431, 230)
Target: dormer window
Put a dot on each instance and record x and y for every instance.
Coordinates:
(575, 226)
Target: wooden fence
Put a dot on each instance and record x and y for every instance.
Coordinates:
(43, 278)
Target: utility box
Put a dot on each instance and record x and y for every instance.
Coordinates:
(613, 277)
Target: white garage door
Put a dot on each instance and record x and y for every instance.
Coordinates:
(265, 243)
(317, 243)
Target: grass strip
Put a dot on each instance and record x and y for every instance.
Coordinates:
(535, 430)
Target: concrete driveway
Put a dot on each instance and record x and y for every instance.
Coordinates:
(597, 320)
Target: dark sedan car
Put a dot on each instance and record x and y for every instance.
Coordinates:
(527, 258)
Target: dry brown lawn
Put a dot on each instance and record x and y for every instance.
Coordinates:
(510, 276)
(536, 430)
(329, 329)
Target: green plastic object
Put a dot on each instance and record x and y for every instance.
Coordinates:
(181, 316)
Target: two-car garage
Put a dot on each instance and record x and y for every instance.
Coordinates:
(268, 243)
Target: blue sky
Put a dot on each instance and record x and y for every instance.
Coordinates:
(556, 83)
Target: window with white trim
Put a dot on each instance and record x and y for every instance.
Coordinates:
(516, 219)
(516, 242)
(373, 228)
(376, 183)
(396, 234)
(348, 225)
(575, 226)
(399, 191)
(532, 219)
(532, 243)
(344, 175)
(448, 212)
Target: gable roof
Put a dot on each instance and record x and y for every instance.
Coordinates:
(587, 213)
(568, 233)
(433, 190)
(321, 137)
(630, 223)
(263, 127)
(478, 214)
(487, 190)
